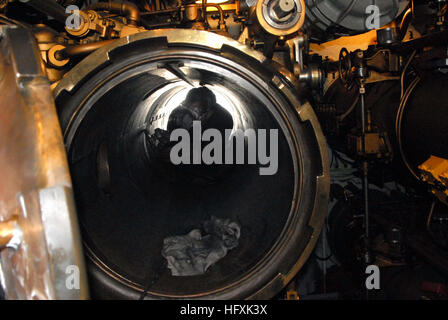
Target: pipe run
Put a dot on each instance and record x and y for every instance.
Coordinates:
(50, 8)
(82, 49)
(121, 7)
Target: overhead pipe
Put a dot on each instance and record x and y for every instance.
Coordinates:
(122, 7)
(82, 49)
(50, 8)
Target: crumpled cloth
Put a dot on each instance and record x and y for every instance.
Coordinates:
(193, 254)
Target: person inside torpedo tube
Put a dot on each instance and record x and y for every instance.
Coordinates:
(199, 105)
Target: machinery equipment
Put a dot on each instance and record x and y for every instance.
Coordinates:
(112, 80)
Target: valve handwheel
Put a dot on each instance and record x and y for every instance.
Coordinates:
(345, 68)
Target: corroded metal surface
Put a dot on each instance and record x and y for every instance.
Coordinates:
(35, 188)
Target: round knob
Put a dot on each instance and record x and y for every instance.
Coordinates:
(284, 7)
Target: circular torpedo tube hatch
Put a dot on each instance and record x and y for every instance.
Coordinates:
(159, 220)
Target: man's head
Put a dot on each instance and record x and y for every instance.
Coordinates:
(200, 100)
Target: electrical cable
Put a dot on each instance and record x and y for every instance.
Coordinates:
(12, 21)
(349, 110)
(404, 96)
(399, 120)
(403, 74)
(431, 211)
